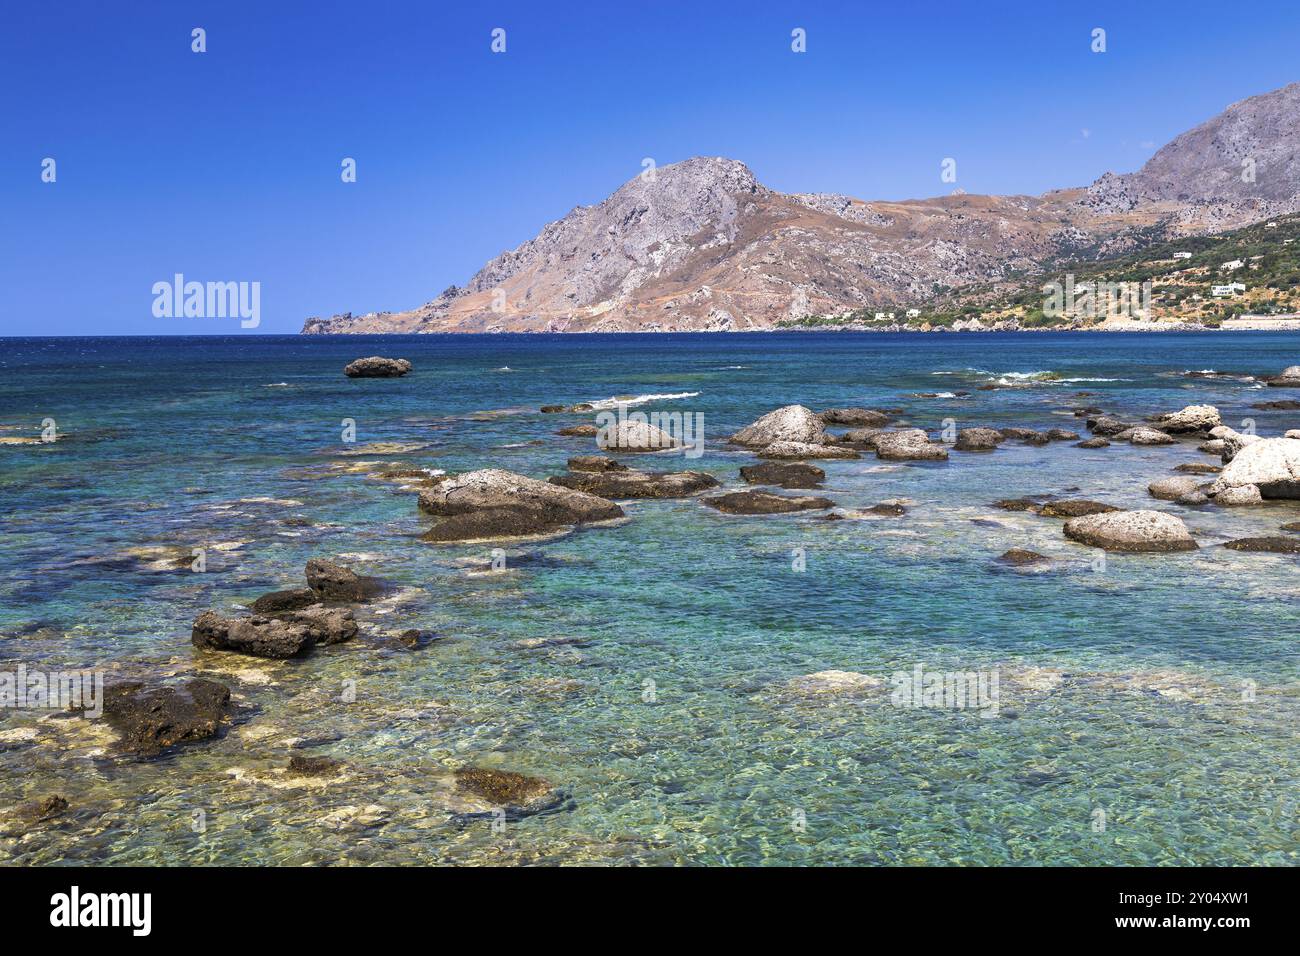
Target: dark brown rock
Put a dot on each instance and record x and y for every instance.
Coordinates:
(1268, 545)
(595, 463)
(1093, 443)
(784, 474)
(150, 720)
(279, 602)
(304, 766)
(1020, 557)
(765, 503)
(377, 367)
(257, 636)
(1196, 468)
(1017, 504)
(579, 431)
(334, 582)
(1074, 508)
(864, 417)
(637, 484)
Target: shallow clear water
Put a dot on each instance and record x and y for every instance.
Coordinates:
(181, 443)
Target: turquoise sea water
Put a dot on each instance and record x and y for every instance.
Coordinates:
(1160, 690)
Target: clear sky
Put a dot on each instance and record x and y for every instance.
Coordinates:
(225, 165)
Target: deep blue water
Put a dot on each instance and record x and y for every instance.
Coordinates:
(1175, 715)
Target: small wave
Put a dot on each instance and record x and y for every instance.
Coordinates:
(729, 368)
(505, 368)
(1096, 380)
(276, 385)
(640, 399)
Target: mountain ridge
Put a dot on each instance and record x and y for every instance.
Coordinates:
(702, 245)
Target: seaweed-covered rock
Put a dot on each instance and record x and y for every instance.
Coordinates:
(1074, 508)
(150, 720)
(1273, 544)
(765, 503)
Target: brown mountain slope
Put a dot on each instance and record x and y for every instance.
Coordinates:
(702, 245)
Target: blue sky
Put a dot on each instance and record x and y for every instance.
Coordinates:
(225, 165)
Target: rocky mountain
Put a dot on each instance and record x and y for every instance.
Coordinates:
(702, 245)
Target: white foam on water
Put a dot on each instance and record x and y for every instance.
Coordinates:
(640, 399)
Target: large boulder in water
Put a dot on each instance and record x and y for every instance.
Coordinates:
(978, 439)
(1290, 378)
(1270, 464)
(1131, 531)
(256, 636)
(492, 503)
(908, 444)
(791, 423)
(1177, 488)
(1192, 420)
(376, 366)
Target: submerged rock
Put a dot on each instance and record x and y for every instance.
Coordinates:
(1020, 557)
(1074, 508)
(1196, 468)
(1018, 504)
(786, 475)
(595, 463)
(492, 503)
(519, 794)
(833, 682)
(150, 720)
(1135, 531)
(799, 451)
(301, 765)
(795, 423)
(765, 503)
(1291, 526)
(637, 484)
(376, 366)
(1267, 544)
(44, 810)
